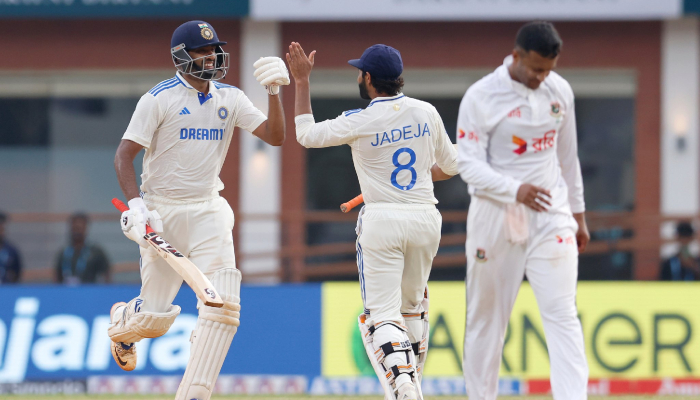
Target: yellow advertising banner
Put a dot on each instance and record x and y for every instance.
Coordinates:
(632, 330)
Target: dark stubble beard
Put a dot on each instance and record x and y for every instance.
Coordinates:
(201, 73)
(364, 94)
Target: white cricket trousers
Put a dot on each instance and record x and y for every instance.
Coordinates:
(396, 244)
(202, 231)
(495, 270)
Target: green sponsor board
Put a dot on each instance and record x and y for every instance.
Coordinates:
(632, 330)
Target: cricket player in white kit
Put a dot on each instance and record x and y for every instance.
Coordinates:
(517, 151)
(186, 125)
(399, 147)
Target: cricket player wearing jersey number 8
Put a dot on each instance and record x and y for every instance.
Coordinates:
(399, 147)
(517, 151)
(186, 125)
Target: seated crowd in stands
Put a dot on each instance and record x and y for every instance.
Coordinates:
(10, 262)
(683, 266)
(78, 262)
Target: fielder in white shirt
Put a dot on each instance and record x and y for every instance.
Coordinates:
(399, 147)
(186, 125)
(517, 151)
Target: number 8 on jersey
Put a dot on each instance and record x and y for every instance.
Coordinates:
(404, 167)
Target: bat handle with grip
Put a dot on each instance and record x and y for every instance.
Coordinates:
(345, 207)
(123, 207)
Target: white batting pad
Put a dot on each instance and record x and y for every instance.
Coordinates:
(212, 338)
(418, 330)
(390, 353)
(134, 324)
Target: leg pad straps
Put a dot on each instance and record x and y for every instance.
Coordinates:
(229, 314)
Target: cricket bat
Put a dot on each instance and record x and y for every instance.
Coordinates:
(194, 277)
(345, 207)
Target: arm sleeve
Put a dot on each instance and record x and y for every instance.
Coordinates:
(146, 119)
(472, 162)
(332, 132)
(445, 151)
(248, 116)
(567, 152)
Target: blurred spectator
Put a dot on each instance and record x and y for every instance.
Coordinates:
(683, 266)
(10, 263)
(80, 261)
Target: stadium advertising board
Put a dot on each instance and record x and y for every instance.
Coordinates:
(464, 10)
(641, 337)
(122, 8)
(634, 332)
(56, 333)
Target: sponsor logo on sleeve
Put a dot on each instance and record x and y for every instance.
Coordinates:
(470, 136)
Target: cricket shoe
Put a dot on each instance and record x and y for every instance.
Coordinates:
(124, 353)
(407, 391)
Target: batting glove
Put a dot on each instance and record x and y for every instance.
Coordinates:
(133, 226)
(152, 218)
(271, 72)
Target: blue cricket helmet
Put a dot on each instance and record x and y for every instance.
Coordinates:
(193, 35)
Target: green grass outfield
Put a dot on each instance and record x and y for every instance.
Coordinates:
(135, 397)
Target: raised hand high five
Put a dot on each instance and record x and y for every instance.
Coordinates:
(299, 64)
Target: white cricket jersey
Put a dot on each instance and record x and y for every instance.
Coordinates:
(508, 134)
(394, 141)
(187, 134)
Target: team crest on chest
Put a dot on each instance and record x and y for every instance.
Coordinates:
(555, 110)
(222, 113)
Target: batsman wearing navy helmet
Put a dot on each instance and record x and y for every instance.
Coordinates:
(186, 124)
(399, 147)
